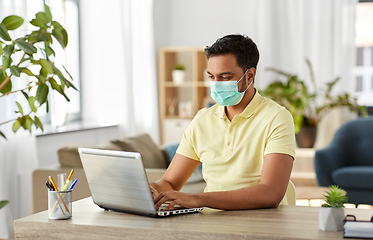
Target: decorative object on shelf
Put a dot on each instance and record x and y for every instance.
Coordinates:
(178, 74)
(331, 214)
(172, 104)
(33, 49)
(186, 109)
(305, 105)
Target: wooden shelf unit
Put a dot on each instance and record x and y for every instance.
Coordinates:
(193, 93)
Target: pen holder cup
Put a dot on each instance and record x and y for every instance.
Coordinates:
(59, 204)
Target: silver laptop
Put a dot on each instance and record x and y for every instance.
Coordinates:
(118, 182)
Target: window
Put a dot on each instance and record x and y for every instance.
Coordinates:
(66, 12)
(61, 111)
(364, 53)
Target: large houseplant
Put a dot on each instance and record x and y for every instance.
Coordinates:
(331, 214)
(33, 55)
(308, 107)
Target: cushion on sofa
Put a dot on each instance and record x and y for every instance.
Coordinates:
(69, 155)
(152, 156)
(354, 177)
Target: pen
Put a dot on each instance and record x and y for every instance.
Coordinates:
(70, 188)
(49, 186)
(68, 181)
(59, 196)
(73, 184)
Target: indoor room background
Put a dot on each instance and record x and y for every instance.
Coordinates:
(118, 42)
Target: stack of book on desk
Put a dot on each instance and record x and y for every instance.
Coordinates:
(358, 229)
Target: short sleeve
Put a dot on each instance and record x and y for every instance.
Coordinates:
(187, 146)
(281, 138)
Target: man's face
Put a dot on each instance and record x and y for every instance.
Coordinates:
(225, 68)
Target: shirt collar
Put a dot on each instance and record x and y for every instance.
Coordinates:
(247, 112)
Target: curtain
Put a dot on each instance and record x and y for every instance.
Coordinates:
(119, 83)
(140, 66)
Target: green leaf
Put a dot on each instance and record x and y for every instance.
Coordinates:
(4, 202)
(48, 14)
(16, 71)
(41, 94)
(26, 47)
(60, 34)
(6, 62)
(27, 123)
(58, 88)
(8, 50)
(12, 22)
(56, 25)
(38, 23)
(43, 36)
(38, 123)
(68, 73)
(1, 49)
(25, 95)
(8, 86)
(31, 101)
(47, 106)
(46, 66)
(65, 81)
(41, 78)
(17, 124)
(49, 51)
(42, 17)
(4, 33)
(3, 135)
(19, 107)
(28, 72)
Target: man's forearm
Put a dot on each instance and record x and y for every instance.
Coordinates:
(259, 196)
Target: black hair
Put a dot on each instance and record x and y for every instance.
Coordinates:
(241, 46)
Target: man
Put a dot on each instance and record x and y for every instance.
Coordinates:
(245, 142)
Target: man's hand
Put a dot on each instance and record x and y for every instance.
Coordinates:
(177, 199)
(153, 190)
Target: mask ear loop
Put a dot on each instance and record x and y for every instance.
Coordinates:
(249, 84)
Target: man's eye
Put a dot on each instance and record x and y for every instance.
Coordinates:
(211, 77)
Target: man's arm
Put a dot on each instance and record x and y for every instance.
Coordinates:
(268, 193)
(178, 172)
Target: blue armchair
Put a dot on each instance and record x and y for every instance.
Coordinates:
(348, 161)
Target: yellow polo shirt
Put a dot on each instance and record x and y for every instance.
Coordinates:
(232, 152)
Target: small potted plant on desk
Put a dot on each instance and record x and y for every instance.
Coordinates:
(331, 214)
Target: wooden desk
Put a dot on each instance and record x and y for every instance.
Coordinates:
(91, 222)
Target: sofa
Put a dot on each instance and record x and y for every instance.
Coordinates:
(155, 160)
(348, 161)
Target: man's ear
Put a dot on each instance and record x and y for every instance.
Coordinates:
(251, 74)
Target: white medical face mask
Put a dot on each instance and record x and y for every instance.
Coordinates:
(226, 93)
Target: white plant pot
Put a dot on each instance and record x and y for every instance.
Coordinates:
(178, 76)
(331, 219)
